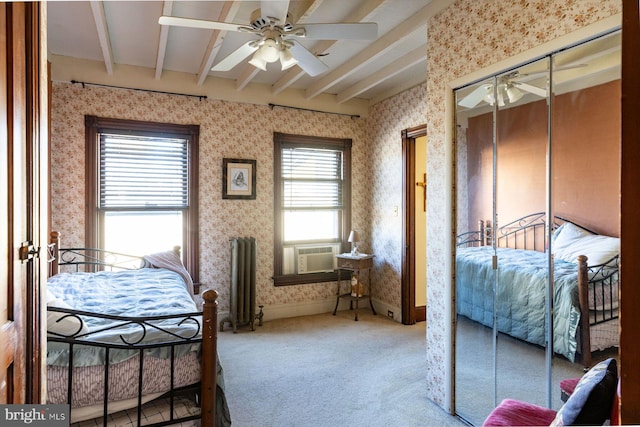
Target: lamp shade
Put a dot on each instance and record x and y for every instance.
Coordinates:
(513, 93)
(354, 237)
(258, 62)
(269, 51)
(286, 59)
(488, 96)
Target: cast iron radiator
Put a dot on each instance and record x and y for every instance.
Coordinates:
(242, 309)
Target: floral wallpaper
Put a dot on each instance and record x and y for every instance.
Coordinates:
(227, 130)
(386, 121)
(467, 36)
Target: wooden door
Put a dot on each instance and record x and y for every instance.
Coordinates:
(410, 313)
(23, 136)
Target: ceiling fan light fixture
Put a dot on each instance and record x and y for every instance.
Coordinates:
(488, 97)
(287, 60)
(269, 51)
(258, 62)
(513, 93)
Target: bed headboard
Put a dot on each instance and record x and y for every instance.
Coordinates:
(528, 232)
(90, 259)
(475, 238)
(52, 252)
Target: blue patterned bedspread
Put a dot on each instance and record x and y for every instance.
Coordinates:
(521, 295)
(133, 293)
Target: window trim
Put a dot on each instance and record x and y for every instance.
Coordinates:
(279, 139)
(93, 127)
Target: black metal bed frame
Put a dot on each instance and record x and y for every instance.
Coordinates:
(144, 323)
(525, 233)
(204, 395)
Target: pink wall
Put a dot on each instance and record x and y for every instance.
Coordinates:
(587, 173)
(585, 158)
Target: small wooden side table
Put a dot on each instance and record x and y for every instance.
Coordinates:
(355, 264)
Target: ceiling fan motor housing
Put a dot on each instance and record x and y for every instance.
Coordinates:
(259, 22)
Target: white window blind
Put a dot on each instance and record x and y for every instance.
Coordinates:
(312, 178)
(147, 172)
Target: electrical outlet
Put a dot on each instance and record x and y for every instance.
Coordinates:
(390, 314)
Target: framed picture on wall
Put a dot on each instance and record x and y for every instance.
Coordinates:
(238, 179)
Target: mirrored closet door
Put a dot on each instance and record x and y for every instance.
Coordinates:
(537, 148)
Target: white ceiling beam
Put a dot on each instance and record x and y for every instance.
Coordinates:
(167, 8)
(401, 87)
(248, 73)
(412, 58)
(416, 22)
(227, 14)
(363, 13)
(310, 10)
(97, 9)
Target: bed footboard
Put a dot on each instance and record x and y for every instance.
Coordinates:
(598, 296)
(583, 297)
(205, 382)
(209, 357)
(177, 358)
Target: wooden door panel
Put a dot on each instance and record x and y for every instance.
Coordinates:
(21, 142)
(7, 325)
(11, 315)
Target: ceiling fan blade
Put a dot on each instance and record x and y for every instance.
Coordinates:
(531, 89)
(236, 57)
(198, 23)
(476, 96)
(275, 9)
(307, 60)
(352, 31)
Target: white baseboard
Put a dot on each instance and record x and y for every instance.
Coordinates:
(383, 309)
(281, 311)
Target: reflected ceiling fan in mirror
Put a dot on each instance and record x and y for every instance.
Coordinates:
(277, 39)
(509, 88)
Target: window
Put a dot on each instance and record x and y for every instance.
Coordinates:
(312, 178)
(141, 187)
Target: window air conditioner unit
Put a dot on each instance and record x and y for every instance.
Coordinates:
(317, 259)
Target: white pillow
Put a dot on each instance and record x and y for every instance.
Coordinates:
(598, 249)
(566, 234)
(59, 324)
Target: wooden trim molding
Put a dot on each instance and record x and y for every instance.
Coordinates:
(280, 139)
(93, 126)
(630, 212)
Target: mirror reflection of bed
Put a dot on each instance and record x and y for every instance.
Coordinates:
(523, 159)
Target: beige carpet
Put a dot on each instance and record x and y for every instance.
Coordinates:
(326, 370)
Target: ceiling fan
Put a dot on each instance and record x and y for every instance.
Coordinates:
(509, 89)
(276, 38)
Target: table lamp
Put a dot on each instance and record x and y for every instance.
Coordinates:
(354, 238)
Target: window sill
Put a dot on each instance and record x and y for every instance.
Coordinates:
(302, 279)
